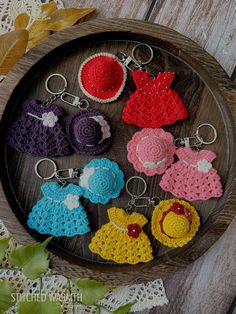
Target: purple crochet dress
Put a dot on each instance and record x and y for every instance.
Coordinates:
(38, 132)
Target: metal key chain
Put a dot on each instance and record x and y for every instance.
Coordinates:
(64, 95)
(196, 141)
(128, 60)
(60, 174)
(138, 200)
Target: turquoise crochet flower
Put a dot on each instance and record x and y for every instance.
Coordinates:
(59, 212)
(101, 180)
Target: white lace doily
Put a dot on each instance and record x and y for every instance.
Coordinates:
(146, 295)
(9, 9)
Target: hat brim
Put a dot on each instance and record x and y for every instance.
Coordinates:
(107, 96)
(82, 148)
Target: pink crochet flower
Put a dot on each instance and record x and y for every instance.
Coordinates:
(151, 151)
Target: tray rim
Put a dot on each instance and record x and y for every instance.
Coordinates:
(118, 25)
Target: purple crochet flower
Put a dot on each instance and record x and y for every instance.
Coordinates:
(38, 132)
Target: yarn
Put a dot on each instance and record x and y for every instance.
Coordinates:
(151, 151)
(174, 222)
(192, 177)
(153, 104)
(102, 77)
(38, 132)
(59, 212)
(101, 180)
(122, 239)
(89, 132)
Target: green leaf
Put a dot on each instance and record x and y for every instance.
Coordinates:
(91, 290)
(124, 309)
(6, 296)
(3, 246)
(32, 259)
(42, 305)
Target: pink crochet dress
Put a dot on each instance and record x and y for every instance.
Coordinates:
(192, 177)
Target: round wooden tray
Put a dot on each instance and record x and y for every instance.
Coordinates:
(208, 95)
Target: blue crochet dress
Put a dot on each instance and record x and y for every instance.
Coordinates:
(59, 212)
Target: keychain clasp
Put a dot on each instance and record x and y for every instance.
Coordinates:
(70, 173)
(196, 141)
(138, 200)
(128, 60)
(65, 96)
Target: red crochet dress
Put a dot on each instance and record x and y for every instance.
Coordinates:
(153, 104)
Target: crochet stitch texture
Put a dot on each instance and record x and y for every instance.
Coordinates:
(89, 132)
(151, 151)
(102, 77)
(59, 212)
(101, 180)
(171, 229)
(153, 104)
(112, 241)
(38, 132)
(192, 177)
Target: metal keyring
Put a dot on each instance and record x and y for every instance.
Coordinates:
(84, 104)
(149, 48)
(47, 85)
(37, 171)
(200, 138)
(133, 178)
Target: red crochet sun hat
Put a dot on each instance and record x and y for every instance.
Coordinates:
(102, 77)
(154, 104)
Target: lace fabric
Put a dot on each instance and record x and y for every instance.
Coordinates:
(11, 8)
(146, 296)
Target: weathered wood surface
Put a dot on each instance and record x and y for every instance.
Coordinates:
(207, 285)
(210, 23)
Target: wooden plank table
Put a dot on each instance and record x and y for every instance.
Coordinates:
(209, 284)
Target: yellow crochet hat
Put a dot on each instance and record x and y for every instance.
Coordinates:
(175, 222)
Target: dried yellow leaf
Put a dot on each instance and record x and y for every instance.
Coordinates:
(64, 18)
(38, 26)
(38, 38)
(49, 8)
(12, 47)
(21, 21)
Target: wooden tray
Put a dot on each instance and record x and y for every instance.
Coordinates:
(205, 89)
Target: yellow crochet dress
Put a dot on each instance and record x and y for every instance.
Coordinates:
(173, 228)
(122, 240)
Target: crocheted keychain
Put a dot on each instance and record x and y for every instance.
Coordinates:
(122, 239)
(153, 104)
(174, 222)
(151, 151)
(101, 180)
(59, 212)
(89, 130)
(193, 177)
(102, 76)
(37, 130)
